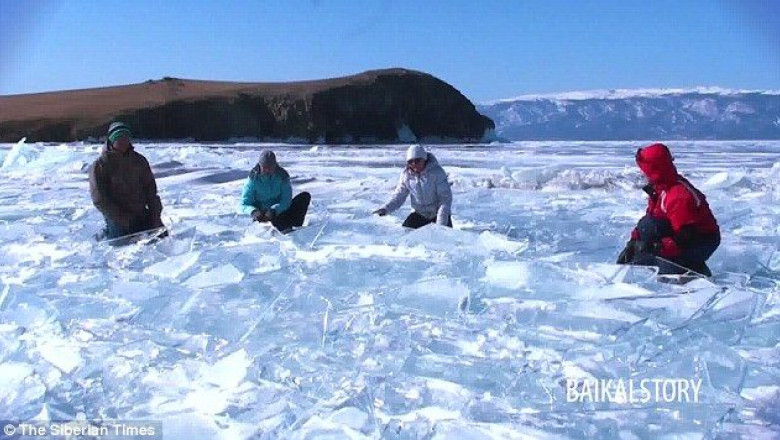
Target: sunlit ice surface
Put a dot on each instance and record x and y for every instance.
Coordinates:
(354, 327)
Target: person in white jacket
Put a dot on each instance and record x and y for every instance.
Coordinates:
(425, 180)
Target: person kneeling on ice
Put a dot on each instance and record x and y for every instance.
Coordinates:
(425, 180)
(678, 232)
(267, 195)
(123, 188)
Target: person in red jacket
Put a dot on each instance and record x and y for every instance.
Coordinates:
(678, 232)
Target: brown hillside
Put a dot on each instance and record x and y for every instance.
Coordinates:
(368, 107)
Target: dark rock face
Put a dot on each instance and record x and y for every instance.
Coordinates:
(694, 115)
(430, 108)
(393, 105)
(209, 119)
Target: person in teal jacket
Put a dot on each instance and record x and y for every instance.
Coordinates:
(267, 195)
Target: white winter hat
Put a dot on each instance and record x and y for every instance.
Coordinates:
(416, 152)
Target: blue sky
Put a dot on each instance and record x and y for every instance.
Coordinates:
(486, 49)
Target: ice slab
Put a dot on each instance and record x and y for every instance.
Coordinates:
(20, 155)
(509, 274)
(173, 267)
(64, 355)
(433, 296)
(220, 275)
(19, 388)
(229, 371)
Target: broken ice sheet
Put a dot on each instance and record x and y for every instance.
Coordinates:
(173, 267)
(231, 330)
(220, 275)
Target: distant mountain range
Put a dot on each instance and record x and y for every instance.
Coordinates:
(663, 114)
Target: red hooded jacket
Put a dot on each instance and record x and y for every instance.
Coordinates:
(675, 200)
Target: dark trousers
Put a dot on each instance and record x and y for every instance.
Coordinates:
(114, 229)
(693, 256)
(416, 220)
(295, 214)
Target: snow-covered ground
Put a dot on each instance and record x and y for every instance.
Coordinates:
(356, 328)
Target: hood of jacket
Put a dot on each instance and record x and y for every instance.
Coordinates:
(108, 152)
(278, 171)
(657, 164)
(431, 166)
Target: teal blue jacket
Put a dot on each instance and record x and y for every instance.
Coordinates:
(265, 192)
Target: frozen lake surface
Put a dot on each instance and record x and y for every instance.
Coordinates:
(356, 328)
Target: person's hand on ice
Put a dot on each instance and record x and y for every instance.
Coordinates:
(381, 212)
(259, 216)
(627, 255)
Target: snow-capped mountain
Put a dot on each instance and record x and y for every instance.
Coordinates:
(702, 113)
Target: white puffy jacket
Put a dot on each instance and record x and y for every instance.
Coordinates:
(430, 191)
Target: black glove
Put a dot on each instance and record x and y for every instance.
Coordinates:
(627, 254)
(258, 215)
(157, 222)
(381, 212)
(647, 247)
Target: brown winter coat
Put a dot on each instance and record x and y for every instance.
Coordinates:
(123, 188)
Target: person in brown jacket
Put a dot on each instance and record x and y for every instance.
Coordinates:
(123, 188)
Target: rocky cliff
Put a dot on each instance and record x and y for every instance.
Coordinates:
(394, 105)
